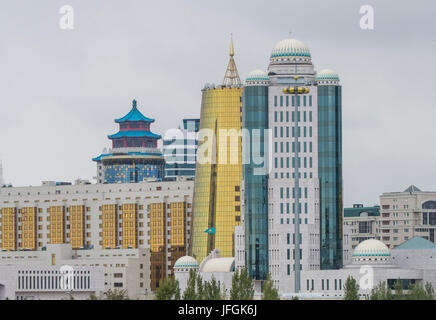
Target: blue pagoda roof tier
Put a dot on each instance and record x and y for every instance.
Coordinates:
(134, 134)
(105, 155)
(134, 115)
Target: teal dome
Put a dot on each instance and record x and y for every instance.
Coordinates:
(186, 262)
(371, 249)
(257, 75)
(327, 74)
(290, 48)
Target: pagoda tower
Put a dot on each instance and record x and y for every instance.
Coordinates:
(134, 156)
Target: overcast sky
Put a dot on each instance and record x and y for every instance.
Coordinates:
(60, 90)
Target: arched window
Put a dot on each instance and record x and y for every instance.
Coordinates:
(429, 204)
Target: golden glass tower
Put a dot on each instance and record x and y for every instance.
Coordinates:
(217, 192)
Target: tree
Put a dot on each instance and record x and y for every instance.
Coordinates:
(269, 292)
(92, 297)
(418, 292)
(381, 292)
(399, 294)
(429, 290)
(212, 290)
(200, 289)
(168, 289)
(351, 289)
(190, 292)
(116, 294)
(234, 291)
(242, 286)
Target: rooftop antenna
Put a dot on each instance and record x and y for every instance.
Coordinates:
(231, 77)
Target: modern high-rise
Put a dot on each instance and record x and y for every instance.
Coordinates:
(255, 173)
(181, 151)
(217, 193)
(134, 156)
(304, 179)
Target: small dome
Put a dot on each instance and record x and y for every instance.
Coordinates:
(327, 74)
(186, 262)
(290, 48)
(257, 77)
(371, 250)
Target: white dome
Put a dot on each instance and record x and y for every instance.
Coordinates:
(290, 48)
(257, 75)
(371, 250)
(186, 262)
(219, 265)
(327, 77)
(257, 78)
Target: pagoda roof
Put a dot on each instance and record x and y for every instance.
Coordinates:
(134, 134)
(106, 155)
(134, 115)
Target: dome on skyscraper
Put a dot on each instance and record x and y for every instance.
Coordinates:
(327, 74)
(257, 77)
(290, 48)
(327, 77)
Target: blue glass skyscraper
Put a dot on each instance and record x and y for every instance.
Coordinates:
(330, 168)
(255, 120)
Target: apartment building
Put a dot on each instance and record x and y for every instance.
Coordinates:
(400, 217)
(146, 215)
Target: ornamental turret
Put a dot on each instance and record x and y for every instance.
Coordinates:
(134, 156)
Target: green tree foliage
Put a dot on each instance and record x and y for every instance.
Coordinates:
(399, 294)
(351, 289)
(242, 286)
(197, 289)
(116, 294)
(415, 291)
(190, 291)
(168, 289)
(381, 292)
(212, 290)
(269, 292)
(200, 294)
(418, 292)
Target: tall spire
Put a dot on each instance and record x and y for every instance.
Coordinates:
(231, 77)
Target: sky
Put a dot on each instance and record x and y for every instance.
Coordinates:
(60, 90)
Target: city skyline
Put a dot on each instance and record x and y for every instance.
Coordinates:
(62, 87)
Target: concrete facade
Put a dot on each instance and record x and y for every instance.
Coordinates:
(154, 216)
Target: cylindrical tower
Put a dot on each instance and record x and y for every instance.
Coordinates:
(255, 173)
(217, 193)
(330, 168)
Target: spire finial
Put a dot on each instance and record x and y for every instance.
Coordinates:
(231, 77)
(134, 103)
(232, 50)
